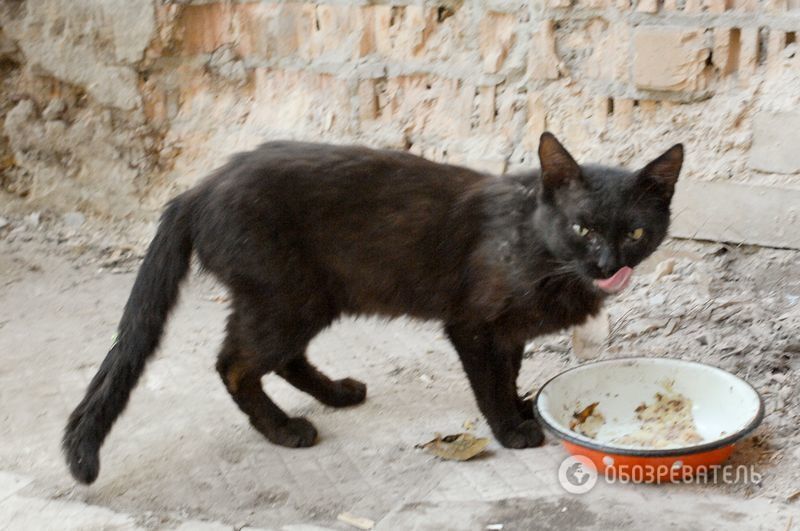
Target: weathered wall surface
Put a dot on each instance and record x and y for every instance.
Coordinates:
(110, 106)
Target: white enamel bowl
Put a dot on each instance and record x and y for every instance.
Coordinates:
(725, 408)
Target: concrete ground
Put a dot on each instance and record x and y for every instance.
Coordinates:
(183, 456)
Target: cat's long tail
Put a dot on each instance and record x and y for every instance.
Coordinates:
(153, 295)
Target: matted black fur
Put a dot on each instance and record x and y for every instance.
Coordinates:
(302, 234)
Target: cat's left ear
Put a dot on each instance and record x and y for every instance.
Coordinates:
(662, 173)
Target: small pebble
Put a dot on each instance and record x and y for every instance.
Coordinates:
(33, 220)
(664, 268)
(73, 219)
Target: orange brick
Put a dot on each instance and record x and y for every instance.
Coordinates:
(718, 6)
(693, 6)
(428, 105)
(154, 98)
(412, 33)
(398, 32)
(291, 100)
(600, 109)
(648, 110)
(367, 100)
(623, 113)
(253, 23)
(748, 50)
(382, 19)
(775, 45)
(486, 106)
(647, 6)
(610, 57)
(537, 120)
(506, 112)
(496, 39)
(366, 21)
(337, 31)
(723, 56)
(270, 30)
(543, 62)
(204, 28)
(669, 58)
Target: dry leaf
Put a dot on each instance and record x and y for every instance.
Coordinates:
(458, 447)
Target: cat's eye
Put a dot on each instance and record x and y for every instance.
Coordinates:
(636, 234)
(580, 230)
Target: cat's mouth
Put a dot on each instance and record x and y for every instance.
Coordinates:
(616, 282)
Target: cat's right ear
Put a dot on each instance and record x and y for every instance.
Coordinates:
(662, 173)
(558, 167)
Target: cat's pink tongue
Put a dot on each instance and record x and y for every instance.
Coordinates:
(617, 282)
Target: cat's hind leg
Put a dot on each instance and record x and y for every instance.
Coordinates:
(336, 393)
(252, 348)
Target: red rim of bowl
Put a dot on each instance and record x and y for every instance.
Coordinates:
(644, 452)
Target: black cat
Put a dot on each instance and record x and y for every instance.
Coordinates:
(302, 234)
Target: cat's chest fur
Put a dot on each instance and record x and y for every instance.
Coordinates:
(514, 281)
(552, 307)
(525, 305)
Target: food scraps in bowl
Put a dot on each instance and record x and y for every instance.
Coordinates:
(588, 421)
(664, 423)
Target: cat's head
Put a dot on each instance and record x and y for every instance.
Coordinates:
(601, 221)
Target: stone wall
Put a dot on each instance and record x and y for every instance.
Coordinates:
(111, 106)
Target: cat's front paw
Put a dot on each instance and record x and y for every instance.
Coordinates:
(527, 434)
(525, 407)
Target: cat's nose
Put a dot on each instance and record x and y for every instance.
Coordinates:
(608, 264)
(608, 271)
